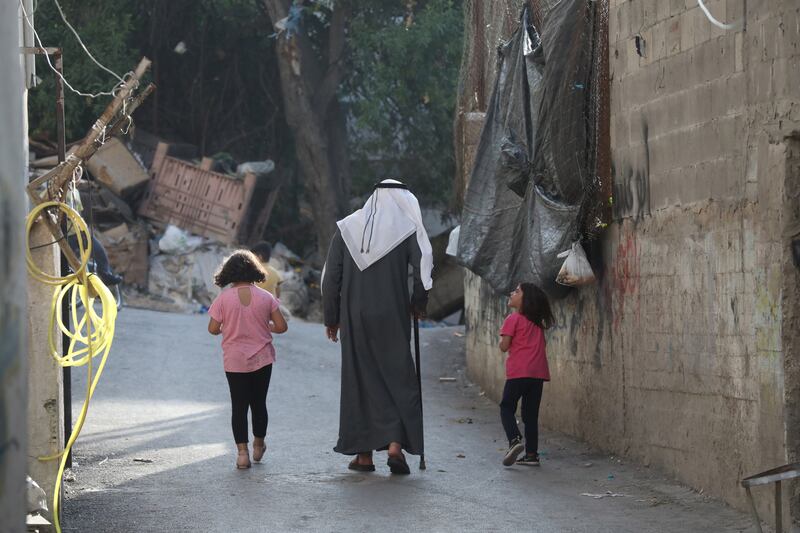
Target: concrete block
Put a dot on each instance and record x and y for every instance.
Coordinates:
(727, 95)
(738, 49)
(647, 39)
(676, 7)
(725, 184)
(618, 59)
(673, 36)
(613, 23)
(727, 51)
(789, 42)
(772, 34)
(736, 177)
(702, 27)
(632, 56)
(792, 81)
(638, 88)
(623, 22)
(780, 78)
(636, 16)
(734, 10)
(621, 130)
(658, 47)
(759, 81)
(660, 188)
(718, 9)
(698, 102)
(676, 76)
(663, 10)
(687, 28)
(649, 12)
(703, 188)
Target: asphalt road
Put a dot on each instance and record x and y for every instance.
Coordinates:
(157, 455)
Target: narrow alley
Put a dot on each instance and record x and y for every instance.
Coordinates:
(156, 452)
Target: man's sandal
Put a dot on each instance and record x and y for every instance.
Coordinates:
(398, 465)
(355, 465)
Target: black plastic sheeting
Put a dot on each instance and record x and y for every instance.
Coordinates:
(535, 165)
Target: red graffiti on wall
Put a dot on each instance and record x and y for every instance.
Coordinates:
(624, 276)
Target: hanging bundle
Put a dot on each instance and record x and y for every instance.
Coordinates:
(576, 270)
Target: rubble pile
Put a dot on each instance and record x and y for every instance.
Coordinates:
(167, 221)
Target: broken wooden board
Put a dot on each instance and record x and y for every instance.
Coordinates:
(117, 168)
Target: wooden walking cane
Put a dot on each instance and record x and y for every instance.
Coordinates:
(422, 465)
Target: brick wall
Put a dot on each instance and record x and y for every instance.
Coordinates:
(683, 355)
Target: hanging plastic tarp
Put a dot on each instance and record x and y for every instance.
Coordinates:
(535, 163)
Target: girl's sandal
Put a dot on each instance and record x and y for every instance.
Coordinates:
(243, 459)
(258, 452)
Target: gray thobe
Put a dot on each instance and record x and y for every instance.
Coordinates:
(380, 400)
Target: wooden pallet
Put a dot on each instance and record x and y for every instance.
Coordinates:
(196, 199)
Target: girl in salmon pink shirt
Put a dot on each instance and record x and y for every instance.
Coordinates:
(522, 336)
(247, 317)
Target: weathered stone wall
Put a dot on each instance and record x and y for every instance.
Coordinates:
(684, 354)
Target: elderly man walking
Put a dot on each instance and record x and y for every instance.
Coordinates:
(365, 293)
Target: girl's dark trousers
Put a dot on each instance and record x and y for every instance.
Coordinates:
(249, 391)
(529, 390)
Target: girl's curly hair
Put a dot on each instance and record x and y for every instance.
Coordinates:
(240, 267)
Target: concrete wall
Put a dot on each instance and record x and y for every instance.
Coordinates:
(13, 438)
(684, 354)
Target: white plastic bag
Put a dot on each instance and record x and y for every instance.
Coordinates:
(576, 270)
(177, 241)
(452, 241)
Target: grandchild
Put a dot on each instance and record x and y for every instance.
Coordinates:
(522, 336)
(247, 317)
(263, 251)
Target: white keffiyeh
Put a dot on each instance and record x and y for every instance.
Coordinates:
(388, 218)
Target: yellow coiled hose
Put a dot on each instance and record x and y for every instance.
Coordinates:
(91, 333)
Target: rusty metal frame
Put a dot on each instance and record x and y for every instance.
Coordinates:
(776, 476)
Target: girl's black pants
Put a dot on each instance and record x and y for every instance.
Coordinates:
(529, 390)
(249, 391)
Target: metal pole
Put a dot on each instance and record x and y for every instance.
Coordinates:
(62, 156)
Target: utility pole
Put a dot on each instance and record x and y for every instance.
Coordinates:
(44, 405)
(13, 304)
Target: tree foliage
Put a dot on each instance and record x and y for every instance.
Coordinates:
(404, 69)
(221, 89)
(218, 94)
(106, 28)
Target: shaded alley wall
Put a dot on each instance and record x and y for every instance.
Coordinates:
(683, 355)
(13, 368)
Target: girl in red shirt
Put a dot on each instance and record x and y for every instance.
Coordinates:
(522, 336)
